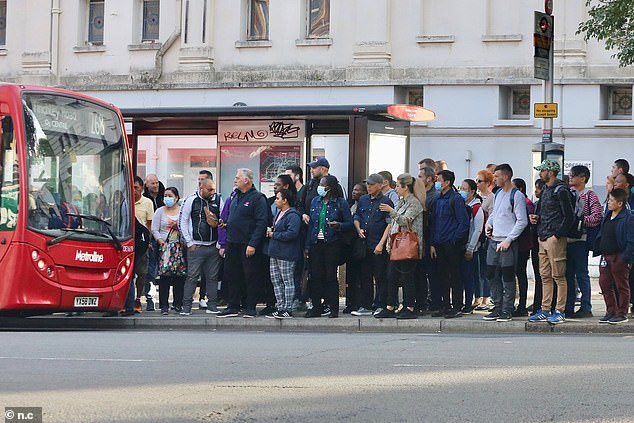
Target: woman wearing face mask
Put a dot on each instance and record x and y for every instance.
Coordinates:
(470, 267)
(164, 225)
(329, 217)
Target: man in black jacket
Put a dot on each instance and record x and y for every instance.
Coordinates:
(246, 227)
(554, 217)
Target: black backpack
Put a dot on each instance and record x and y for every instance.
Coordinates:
(141, 238)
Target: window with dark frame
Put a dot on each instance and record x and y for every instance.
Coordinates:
(151, 19)
(520, 102)
(95, 22)
(415, 96)
(620, 103)
(3, 23)
(318, 19)
(258, 28)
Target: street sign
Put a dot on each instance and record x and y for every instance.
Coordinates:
(547, 135)
(546, 110)
(542, 40)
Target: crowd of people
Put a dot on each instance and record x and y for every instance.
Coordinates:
(453, 247)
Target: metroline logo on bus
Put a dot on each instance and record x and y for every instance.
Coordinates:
(86, 256)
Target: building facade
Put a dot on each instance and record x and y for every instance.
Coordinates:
(471, 61)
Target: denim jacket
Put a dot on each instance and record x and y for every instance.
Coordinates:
(337, 210)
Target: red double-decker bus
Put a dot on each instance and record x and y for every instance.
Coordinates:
(66, 204)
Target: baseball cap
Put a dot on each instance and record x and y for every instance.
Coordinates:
(549, 164)
(320, 162)
(375, 178)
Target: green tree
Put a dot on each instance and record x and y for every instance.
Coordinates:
(611, 21)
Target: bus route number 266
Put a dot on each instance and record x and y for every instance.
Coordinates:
(97, 125)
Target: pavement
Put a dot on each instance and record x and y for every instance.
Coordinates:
(199, 320)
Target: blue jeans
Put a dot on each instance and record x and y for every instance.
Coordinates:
(470, 270)
(483, 289)
(577, 270)
(129, 300)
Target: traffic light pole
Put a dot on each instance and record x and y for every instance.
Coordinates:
(547, 125)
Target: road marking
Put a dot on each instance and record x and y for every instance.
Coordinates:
(123, 360)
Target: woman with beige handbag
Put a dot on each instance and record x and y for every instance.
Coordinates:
(405, 247)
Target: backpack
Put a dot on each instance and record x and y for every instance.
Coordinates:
(141, 238)
(472, 211)
(577, 229)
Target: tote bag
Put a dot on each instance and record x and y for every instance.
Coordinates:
(404, 245)
(172, 259)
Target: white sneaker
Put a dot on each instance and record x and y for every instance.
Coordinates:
(211, 311)
(362, 312)
(377, 311)
(202, 304)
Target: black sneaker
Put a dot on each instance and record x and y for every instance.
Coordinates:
(385, 314)
(283, 315)
(452, 313)
(325, 311)
(267, 310)
(520, 312)
(149, 305)
(127, 313)
(619, 318)
(504, 317)
(491, 317)
(272, 315)
(406, 313)
(249, 313)
(228, 313)
(438, 313)
(606, 318)
(313, 312)
(467, 310)
(582, 314)
(165, 312)
(349, 309)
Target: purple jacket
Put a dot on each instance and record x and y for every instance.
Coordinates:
(224, 215)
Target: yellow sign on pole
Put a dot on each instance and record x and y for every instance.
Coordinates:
(546, 110)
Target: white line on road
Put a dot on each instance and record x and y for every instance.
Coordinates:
(124, 360)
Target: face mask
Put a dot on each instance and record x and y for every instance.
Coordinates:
(321, 191)
(438, 186)
(632, 190)
(169, 201)
(463, 194)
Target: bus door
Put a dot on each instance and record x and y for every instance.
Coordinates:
(9, 180)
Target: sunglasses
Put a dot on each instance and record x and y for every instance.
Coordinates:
(479, 181)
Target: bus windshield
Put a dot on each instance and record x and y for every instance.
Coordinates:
(77, 164)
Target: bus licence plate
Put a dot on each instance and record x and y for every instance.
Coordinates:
(86, 301)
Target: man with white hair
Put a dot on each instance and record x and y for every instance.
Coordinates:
(246, 227)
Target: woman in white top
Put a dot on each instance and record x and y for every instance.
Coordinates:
(164, 228)
(484, 181)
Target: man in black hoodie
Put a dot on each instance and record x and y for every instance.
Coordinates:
(554, 217)
(246, 228)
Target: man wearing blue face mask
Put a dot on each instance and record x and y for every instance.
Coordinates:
(449, 232)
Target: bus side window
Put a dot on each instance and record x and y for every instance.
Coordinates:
(6, 139)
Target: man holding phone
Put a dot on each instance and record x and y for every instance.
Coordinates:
(198, 223)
